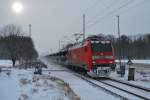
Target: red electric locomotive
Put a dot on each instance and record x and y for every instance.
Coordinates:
(95, 55)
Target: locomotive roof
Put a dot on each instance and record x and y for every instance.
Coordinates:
(96, 38)
(92, 40)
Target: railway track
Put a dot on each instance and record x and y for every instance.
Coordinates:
(87, 79)
(137, 91)
(123, 82)
(118, 88)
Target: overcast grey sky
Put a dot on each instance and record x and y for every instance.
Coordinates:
(53, 19)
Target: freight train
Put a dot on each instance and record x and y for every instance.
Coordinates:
(95, 55)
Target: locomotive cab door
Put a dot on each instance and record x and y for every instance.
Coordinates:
(87, 54)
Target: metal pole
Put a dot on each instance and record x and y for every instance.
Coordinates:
(83, 26)
(59, 45)
(30, 30)
(119, 41)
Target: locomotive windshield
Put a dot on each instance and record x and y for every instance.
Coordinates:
(99, 47)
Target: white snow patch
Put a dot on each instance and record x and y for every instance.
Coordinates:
(135, 61)
(5, 63)
(142, 76)
(83, 89)
(19, 85)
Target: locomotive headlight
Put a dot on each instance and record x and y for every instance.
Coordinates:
(111, 62)
(109, 57)
(93, 62)
(95, 57)
(101, 57)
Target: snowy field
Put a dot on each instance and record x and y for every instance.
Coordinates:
(83, 89)
(5, 63)
(19, 84)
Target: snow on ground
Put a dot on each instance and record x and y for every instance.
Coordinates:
(136, 61)
(142, 76)
(83, 89)
(18, 84)
(5, 63)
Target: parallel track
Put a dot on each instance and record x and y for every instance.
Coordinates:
(104, 81)
(87, 79)
(101, 87)
(131, 88)
(108, 84)
(139, 87)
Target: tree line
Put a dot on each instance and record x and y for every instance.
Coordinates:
(131, 47)
(15, 45)
(127, 46)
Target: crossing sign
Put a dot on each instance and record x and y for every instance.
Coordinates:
(129, 62)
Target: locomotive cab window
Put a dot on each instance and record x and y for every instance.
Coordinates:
(99, 47)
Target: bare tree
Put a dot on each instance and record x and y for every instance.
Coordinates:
(9, 34)
(18, 46)
(10, 30)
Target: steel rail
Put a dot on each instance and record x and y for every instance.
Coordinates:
(135, 86)
(142, 97)
(101, 87)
